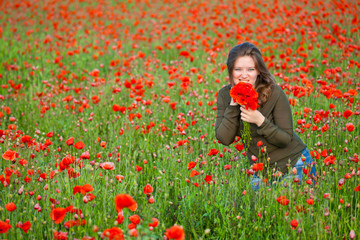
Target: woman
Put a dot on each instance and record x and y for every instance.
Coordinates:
(271, 123)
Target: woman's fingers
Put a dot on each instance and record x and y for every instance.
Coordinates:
(252, 116)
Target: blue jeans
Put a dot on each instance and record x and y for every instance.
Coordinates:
(288, 178)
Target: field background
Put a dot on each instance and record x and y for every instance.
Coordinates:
(136, 82)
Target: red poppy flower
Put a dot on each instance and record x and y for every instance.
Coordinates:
(227, 167)
(213, 152)
(258, 167)
(70, 141)
(347, 175)
(82, 189)
(135, 219)
(60, 235)
(325, 128)
(191, 165)
(175, 232)
(329, 160)
(151, 200)
(43, 176)
(25, 139)
(294, 224)
(79, 145)
(4, 226)
(283, 200)
(194, 173)
(154, 223)
(138, 168)
(24, 226)
(107, 165)
(347, 113)
(58, 215)
(245, 94)
(350, 127)
(239, 146)
(208, 179)
(310, 201)
(9, 155)
(125, 201)
(117, 108)
(184, 53)
(148, 189)
(324, 153)
(10, 207)
(113, 233)
(88, 197)
(134, 232)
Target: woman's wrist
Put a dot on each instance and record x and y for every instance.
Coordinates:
(261, 121)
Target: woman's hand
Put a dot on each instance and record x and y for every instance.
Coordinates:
(252, 116)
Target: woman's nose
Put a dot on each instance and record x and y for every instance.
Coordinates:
(243, 73)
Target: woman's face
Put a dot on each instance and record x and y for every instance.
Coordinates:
(245, 71)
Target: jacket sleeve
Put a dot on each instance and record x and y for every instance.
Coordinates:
(227, 119)
(279, 131)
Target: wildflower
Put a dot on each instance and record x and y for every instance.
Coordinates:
(294, 224)
(138, 168)
(310, 201)
(151, 200)
(258, 167)
(79, 145)
(227, 167)
(194, 173)
(154, 223)
(135, 219)
(148, 189)
(60, 235)
(329, 160)
(282, 200)
(113, 233)
(208, 179)
(88, 197)
(125, 201)
(10, 207)
(24, 226)
(58, 214)
(191, 165)
(350, 127)
(4, 226)
(175, 232)
(347, 113)
(213, 152)
(70, 141)
(9, 155)
(82, 189)
(352, 234)
(107, 165)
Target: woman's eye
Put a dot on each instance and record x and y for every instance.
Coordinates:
(251, 69)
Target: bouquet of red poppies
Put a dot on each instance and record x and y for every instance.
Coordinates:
(245, 95)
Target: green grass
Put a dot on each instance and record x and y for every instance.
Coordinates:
(220, 210)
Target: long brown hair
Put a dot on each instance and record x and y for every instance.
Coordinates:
(265, 80)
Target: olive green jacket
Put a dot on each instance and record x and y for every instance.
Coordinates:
(281, 143)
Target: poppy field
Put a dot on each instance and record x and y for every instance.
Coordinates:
(107, 114)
